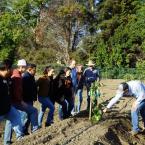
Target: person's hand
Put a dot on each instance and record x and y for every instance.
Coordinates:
(105, 110)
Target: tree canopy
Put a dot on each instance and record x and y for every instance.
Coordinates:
(111, 32)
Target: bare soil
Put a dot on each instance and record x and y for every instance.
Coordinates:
(113, 129)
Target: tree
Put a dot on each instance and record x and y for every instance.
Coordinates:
(119, 34)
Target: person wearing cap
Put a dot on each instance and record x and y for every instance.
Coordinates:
(29, 89)
(134, 89)
(91, 75)
(7, 111)
(17, 98)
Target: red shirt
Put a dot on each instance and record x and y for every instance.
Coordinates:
(17, 89)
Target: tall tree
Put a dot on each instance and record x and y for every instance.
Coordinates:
(119, 33)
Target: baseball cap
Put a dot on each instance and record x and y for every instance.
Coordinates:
(22, 62)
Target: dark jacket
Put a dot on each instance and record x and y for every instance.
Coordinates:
(80, 81)
(91, 76)
(5, 100)
(45, 86)
(51, 89)
(29, 87)
(17, 89)
(68, 90)
(59, 88)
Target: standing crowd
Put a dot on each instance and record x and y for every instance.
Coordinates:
(19, 90)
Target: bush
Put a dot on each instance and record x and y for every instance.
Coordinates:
(123, 73)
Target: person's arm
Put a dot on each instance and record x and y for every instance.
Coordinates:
(112, 102)
(26, 87)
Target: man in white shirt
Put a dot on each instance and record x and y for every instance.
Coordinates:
(135, 89)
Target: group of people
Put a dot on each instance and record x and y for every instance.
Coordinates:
(19, 90)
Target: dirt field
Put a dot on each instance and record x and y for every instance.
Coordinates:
(113, 129)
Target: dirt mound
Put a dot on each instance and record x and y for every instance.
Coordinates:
(113, 130)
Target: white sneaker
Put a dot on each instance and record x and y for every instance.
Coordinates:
(73, 113)
(20, 137)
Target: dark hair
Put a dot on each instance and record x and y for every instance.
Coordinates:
(66, 69)
(60, 74)
(47, 69)
(5, 64)
(31, 65)
(125, 86)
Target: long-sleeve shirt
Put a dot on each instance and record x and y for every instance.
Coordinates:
(45, 87)
(5, 100)
(17, 87)
(91, 75)
(80, 80)
(136, 89)
(29, 87)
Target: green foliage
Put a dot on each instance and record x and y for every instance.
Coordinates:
(43, 56)
(57, 67)
(129, 77)
(119, 41)
(114, 32)
(124, 73)
(17, 20)
(140, 66)
(95, 94)
(96, 115)
(11, 34)
(73, 10)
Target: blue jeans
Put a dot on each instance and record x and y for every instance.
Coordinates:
(80, 99)
(45, 103)
(134, 116)
(14, 119)
(32, 113)
(70, 103)
(8, 127)
(26, 119)
(62, 110)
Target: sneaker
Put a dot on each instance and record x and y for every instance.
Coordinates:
(20, 137)
(35, 130)
(73, 113)
(8, 143)
(47, 124)
(26, 133)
